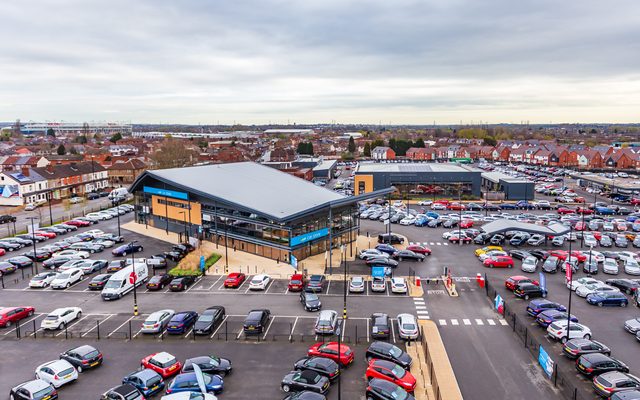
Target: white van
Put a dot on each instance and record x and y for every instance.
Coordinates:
(119, 192)
(119, 285)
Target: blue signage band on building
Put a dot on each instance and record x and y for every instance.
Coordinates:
(307, 237)
(166, 193)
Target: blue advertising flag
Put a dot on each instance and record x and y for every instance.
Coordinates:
(202, 263)
(294, 261)
(545, 361)
(543, 282)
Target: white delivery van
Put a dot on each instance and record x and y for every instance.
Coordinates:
(120, 284)
(119, 192)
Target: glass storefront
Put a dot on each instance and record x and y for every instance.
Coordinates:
(433, 189)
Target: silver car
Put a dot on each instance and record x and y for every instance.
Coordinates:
(529, 264)
(327, 322)
(378, 284)
(356, 284)
(157, 321)
(407, 326)
(610, 266)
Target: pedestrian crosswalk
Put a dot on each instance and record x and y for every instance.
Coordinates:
(472, 322)
(427, 244)
(421, 308)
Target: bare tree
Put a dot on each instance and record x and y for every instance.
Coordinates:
(173, 153)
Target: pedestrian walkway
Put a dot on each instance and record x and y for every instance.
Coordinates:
(427, 244)
(472, 322)
(421, 308)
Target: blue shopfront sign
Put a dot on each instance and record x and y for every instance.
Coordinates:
(307, 237)
(545, 362)
(165, 192)
(378, 272)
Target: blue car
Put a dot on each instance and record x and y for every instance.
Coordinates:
(432, 214)
(525, 205)
(548, 317)
(126, 249)
(181, 322)
(537, 306)
(386, 248)
(148, 381)
(632, 218)
(601, 299)
(186, 382)
(508, 206)
(605, 211)
(421, 220)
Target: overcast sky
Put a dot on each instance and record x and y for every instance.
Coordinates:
(307, 61)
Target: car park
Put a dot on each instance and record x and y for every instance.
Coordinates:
(388, 351)
(147, 381)
(37, 389)
(256, 321)
(310, 301)
(57, 373)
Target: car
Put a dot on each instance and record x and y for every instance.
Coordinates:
(87, 246)
(296, 283)
(83, 357)
(386, 248)
(91, 266)
(607, 299)
(329, 350)
(590, 241)
(259, 282)
(356, 284)
(389, 371)
(369, 253)
(631, 266)
(597, 363)
(80, 223)
(575, 348)
(459, 237)
(310, 301)
(558, 331)
(378, 284)
(536, 240)
(614, 382)
(305, 380)
(407, 255)
(315, 283)
(41, 280)
(180, 283)
(60, 317)
(585, 290)
(20, 261)
(550, 265)
(418, 249)
(188, 382)
(104, 242)
(56, 373)
(234, 280)
(379, 389)
(529, 264)
(147, 381)
(537, 306)
(256, 321)
(125, 249)
(191, 396)
(382, 262)
(163, 363)
(39, 255)
(209, 319)
(390, 238)
(326, 322)
(323, 366)
(499, 262)
(157, 321)
(512, 282)
(519, 254)
(632, 325)
(36, 389)
(158, 261)
(540, 254)
(398, 285)
(558, 240)
(485, 249)
(389, 352)
(98, 281)
(594, 255)
(116, 265)
(6, 218)
(529, 290)
(575, 284)
(548, 317)
(158, 282)
(605, 241)
(12, 315)
(209, 365)
(181, 322)
(627, 286)
(621, 241)
(67, 278)
(380, 326)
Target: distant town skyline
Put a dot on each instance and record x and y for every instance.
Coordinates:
(279, 62)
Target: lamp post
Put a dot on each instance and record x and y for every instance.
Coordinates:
(569, 273)
(116, 204)
(133, 264)
(460, 214)
(343, 259)
(50, 212)
(184, 220)
(33, 240)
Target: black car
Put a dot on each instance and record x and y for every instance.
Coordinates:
(315, 283)
(310, 301)
(627, 286)
(92, 196)
(389, 352)
(474, 207)
(382, 261)
(296, 381)
(490, 207)
(390, 238)
(528, 291)
(9, 246)
(39, 255)
(34, 390)
(597, 363)
(174, 255)
(158, 261)
(540, 254)
(127, 249)
(379, 389)
(20, 261)
(183, 248)
(323, 366)
(122, 392)
(7, 268)
(66, 227)
(575, 348)
(116, 265)
(7, 218)
(158, 282)
(519, 254)
(306, 395)
(482, 238)
(182, 283)
(497, 240)
(30, 237)
(208, 320)
(550, 265)
(611, 254)
(380, 326)
(256, 321)
(83, 358)
(407, 255)
(209, 365)
(90, 247)
(21, 241)
(98, 281)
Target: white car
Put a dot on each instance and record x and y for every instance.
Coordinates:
(425, 203)
(378, 284)
(42, 280)
(607, 226)
(189, 396)
(590, 241)
(67, 278)
(632, 267)
(574, 285)
(71, 254)
(610, 266)
(71, 264)
(356, 284)
(259, 282)
(595, 255)
(408, 220)
(529, 264)
(491, 253)
(60, 317)
(105, 215)
(398, 285)
(370, 253)
(94, 216)
(94, 233)
(407, 326)
(57, 372)
(558, 331)
(624, 255)
(584, 290)
(438, 206)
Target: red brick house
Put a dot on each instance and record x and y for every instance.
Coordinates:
(501, 153)
(420, 153)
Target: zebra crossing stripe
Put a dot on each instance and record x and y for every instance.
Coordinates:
(446, 244)
(431, 243)
(438, 243)
(422, 312)
(454, 322)
(423, 317)
(491, 322)
(421, 307)
(479, 321)
(443, 322)
(466, 321)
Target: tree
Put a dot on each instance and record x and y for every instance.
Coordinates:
(73, 150)
(352, 145)
(367, 149)
(490, 141)
(117, 136)
(82, 139)
(377, 143)
(305, 148)
(61, 150)
(419, 143)
(51, 132)
(173, 154)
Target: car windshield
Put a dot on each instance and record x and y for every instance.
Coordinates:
(65, 372)
(312, 297)
(395, 351)
(256, 281)
(398, 371)
(165, 364)
(43, 392)
(111, 284)
(399, 394)
(296, 282)
(206, 318)
(64, 275)
(408, 327)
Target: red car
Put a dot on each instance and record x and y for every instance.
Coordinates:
(48, 235)
(561, 254)
(580, 226)
(3, 252)
(456, 206)
(445, 202)
(296, 283)
(419, 249)
(11, 315)
(330, 350)
(78, 223)
(455, 238)
(163, 363)
(596, 234)
(584, 210)
(388, 371)
(565, 210)
(234, 280)
(581, 257)
(466, 224)
(635, 201)
(579, 199)
(513, 281)
(499, 262)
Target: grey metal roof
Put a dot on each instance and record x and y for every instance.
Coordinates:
(503, 225)
(250, 185)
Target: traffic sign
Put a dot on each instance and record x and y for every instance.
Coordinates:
(133, 278)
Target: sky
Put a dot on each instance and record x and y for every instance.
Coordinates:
(325, 61)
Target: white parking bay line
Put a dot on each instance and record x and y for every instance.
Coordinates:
(239, 333)
(442, 322)
(367, 331)
(215, 283)
(328, 286)
(479, 321)
(293, 328)
(490, 321)
(73, 324)
(393, 331)
(266, 332)
(466, 321)
(95, 326)
(344, 328)
(23, 323)
(123, 324)
(220, 326)
(454, 322)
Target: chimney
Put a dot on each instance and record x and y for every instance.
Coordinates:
(25, 171)
(49, 168)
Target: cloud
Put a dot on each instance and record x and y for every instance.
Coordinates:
(405, 61)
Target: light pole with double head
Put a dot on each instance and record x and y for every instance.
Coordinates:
(135, 282)
(33, 240)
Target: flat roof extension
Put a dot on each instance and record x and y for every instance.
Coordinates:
(412, 167)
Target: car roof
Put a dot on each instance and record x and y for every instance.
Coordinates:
(595, 357)
(145, 373)
(57, 365)
(163, 357)
(84, 349)
(34, 385)
(124, 389)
